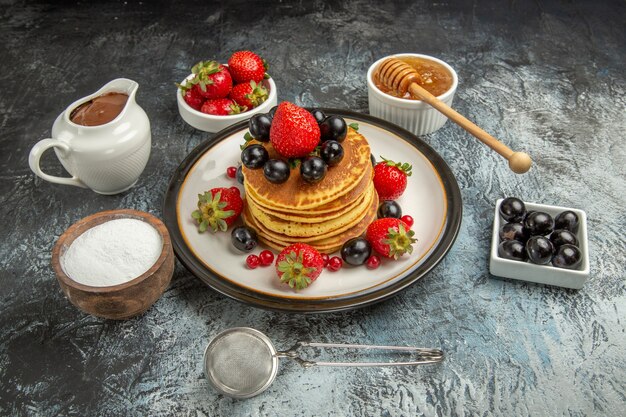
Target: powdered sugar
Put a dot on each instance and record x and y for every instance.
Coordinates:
(112, 253)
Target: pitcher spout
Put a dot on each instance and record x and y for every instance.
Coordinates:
(120, 85)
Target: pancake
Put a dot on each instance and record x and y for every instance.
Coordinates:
(312, 231)
(296, 194)
(308, 217)
(327, 244)
(331, 207)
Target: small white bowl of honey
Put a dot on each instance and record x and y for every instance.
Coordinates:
(416, 116)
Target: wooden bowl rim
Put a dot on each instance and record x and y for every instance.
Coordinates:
(68, 237)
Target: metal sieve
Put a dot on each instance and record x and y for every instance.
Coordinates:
(242, 362)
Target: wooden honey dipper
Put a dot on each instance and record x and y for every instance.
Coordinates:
(401, 77)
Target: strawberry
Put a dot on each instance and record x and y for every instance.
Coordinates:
(299, 265)
(218, 208)
(193, 98)
(294, 132)
(390, 179)
(390, 237)
(246, 66)
(249, 94)
(221, 107)
(212, 80)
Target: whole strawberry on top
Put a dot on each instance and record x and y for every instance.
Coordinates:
(249, 95)
(218, 208)
(247, 66)
(298, 265)
(390, 237)
(294, 132)
(390, 178)
(221, 107)
(211, 80)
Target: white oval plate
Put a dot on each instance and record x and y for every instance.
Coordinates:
(432, 198)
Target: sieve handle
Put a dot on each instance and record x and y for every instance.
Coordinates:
(426, 355)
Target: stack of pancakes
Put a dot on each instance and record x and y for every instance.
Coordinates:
(323, 215)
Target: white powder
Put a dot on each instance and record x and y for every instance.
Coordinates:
(112, 253)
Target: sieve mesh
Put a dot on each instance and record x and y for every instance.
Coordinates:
(240, 363)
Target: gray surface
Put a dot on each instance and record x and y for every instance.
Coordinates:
(546, 77)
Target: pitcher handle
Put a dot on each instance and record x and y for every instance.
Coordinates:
(35, 155)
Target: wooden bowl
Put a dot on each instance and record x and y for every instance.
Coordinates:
(120, 301)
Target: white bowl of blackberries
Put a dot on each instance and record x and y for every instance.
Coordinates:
(539, 243)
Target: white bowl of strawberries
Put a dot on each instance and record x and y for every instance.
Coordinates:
(215, 96)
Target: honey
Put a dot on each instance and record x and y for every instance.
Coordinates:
(434, 77)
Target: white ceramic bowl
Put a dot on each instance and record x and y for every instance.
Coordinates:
(211, 123)
(413, 115)
(543, 274)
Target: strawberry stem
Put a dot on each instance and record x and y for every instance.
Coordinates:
(400, 241)
(211, 212)
(295, 274)
(404, 167)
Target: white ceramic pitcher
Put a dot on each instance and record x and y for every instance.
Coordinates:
(107, 158)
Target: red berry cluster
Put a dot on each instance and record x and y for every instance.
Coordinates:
(265, 258)
(332, 264)
(220, 90)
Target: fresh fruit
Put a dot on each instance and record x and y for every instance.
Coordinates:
(333, 128)
(567, 220)
(259, 126)
(246, 66)
(272, 111)
(211, 80)
(319, 115)
(266, 257)
(539, 223)
(356, 251)
(390, 237)
(221, 107)
(294, 132)
(512, 249)
(331, 152)
(276, 171)
(512, 209)
(252, 261)
(567, 256)
(563, 237)
(372, 262)
(244, 238)
(539, 250)
(325, 259)
(231, 172)
(193, 98)
(334, 264)
(239, 174)
(513, 231)
(390, 179)
(249, 94)
(254, 156)
(407, 219)
(313, 169)
(218, 208)
(389, 208)
(299, 265)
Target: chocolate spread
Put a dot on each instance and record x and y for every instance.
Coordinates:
(100, 110)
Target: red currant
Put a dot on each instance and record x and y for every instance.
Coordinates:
(372, 262)
(325, 259)
(252, 261)
(231, 172)
(266, 257)
(407, 219)
(335, 263)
